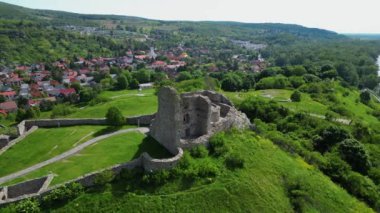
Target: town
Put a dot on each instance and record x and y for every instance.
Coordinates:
(42, 85)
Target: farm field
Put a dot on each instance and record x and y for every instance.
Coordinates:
(105, 153)
(46, 143)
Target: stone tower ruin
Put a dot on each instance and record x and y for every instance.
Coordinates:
(190, 119)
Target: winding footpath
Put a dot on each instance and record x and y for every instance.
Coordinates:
(69, 153)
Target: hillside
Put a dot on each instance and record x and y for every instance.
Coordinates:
(22, 29)
(271, 181)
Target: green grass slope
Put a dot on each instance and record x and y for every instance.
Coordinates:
(44, 144)
(261, 186)
(108, 152)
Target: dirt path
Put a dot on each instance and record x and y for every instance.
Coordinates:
(68, 154)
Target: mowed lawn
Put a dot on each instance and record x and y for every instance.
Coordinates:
(130, 102)
(108, 152)
(44, 144)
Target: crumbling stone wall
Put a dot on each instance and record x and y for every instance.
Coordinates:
(64, 122)
(21, 128)
(3, 193)
(4, 140)
(151, 164)
(28, 187)
(201, 115)
(167, 126)
(15, 141)
(196, 113)
(143, 120)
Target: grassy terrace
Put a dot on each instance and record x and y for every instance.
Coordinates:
(44, 144)
(130, 102)
(282, 96)
(308, 105)
(114, 150)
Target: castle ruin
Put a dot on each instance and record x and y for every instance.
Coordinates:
(190, 119)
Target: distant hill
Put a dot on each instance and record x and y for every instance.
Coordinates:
(364, 36)
(9, 11)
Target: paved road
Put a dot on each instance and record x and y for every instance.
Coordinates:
(68, 154)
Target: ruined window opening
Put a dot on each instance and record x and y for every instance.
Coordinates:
(186, 118)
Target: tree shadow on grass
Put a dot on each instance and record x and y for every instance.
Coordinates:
(107, 130)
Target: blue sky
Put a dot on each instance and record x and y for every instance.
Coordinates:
(344, 16)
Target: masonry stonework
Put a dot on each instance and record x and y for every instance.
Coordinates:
(190, 119)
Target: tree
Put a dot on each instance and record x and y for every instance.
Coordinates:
(134, 84)
(115, 117)
(184, 76)
(21, 115)
(365, 97)
(76, 86)
(122, 82)
(232, 82)
(2, 99)
(143, 75)
(329, 137)
(296, 96)
(354, 153)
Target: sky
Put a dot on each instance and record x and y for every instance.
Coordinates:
(342, 16)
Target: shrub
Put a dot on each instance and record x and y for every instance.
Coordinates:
(268, 111)
(28, 206)
(156, 178)
(98, 100)
(336, 168)
(131, 174)
(374, 174)
(63, 194)
(234, 161)
(62, 110)
(217, 145)
(296, 96)
(104, 177)
(363, 188)
(232, 82)
(207, 169)
(115, 117)
(341, 110)
(185, 161)
(354, 153)
(297, 195)
(199, 151)
(277, 82)
(330, 136)
(121, 82)
(365, 97)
